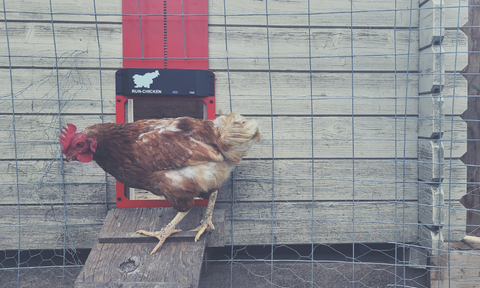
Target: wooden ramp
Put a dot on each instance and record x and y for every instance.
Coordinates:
(121, 257)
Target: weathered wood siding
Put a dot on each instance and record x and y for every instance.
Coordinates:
(293, 75)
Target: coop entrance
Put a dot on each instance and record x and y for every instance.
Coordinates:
(154, 108)
(138, 109)
(150, 93)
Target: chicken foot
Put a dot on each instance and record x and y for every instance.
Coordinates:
(165, 232)
(206, 223)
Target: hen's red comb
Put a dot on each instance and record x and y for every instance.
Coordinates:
(68, 134)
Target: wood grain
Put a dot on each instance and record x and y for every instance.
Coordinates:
(249, 223)
(291, 13)
(332, 136)
(374, 49)
(51, 227)
(252, 181)
(456, 268)
(332, 222)
(119, 226)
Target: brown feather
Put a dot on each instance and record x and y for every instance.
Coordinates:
(179, 158)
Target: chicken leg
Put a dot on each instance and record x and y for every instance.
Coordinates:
(206, 223)
(168, 230)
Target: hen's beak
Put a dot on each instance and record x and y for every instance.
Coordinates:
(70, 158)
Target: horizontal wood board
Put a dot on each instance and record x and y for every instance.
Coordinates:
(294, 13)
(253, 180)
(249, 93)
(318, 137)
(250, 224)
(248, 47)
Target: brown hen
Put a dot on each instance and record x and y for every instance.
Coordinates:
(179, 158)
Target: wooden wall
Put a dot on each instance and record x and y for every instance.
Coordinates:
(307, 181)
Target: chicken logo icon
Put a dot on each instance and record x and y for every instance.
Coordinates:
(144, 81)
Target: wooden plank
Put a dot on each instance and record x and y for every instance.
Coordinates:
(252, 181)
(45, 227)
(64, 10)
(453, 143)
(472, 241)
(430, 239)
(431, 66)
(292, 13)
(248, 92)
(328, 130)
(114, 260)
(430, 112)
(430, 202)
(456, 268)
(455, 47)
(455, 216)
(291, 180)
(37, 135)
(45, 172)
(431, 157)
(456, 13)
(454, 94)
(454, 183)
(332, 136)
(374, 180)
(296, 13)
(118, 226)
(374, 137)
(54, 194)
(288, 47)
(33, 45)
(176, 264)
(431, 23)
(78, 91)
(50, 276)
(454, 138)
(452, 228)
(252, 223)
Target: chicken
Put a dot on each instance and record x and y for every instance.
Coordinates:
(179, 158)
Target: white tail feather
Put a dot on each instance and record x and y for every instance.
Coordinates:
(237, 134)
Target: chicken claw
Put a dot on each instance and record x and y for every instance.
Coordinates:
(205, 226)
(165, 232)
(162, 235)
(206, 223)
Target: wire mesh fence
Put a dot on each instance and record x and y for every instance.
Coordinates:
(358, 181)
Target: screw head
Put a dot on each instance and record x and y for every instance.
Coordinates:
(118, 100)
(119, 199)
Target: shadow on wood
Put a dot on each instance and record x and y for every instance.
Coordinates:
(122, 257)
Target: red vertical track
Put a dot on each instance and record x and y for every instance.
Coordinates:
(156, 35)
(166, 39)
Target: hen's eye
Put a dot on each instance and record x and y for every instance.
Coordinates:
(79, 145)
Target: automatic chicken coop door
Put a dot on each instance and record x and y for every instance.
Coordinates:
(165, 72)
